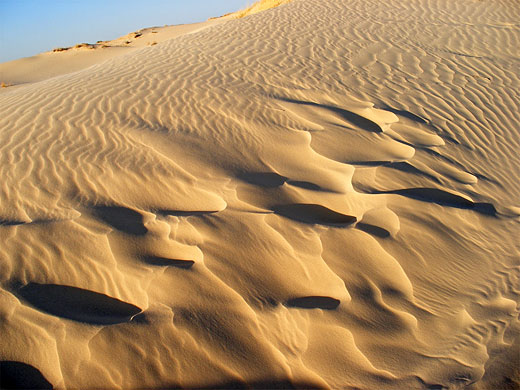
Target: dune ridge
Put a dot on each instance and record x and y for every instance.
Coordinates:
(259, 6)
(319, 196)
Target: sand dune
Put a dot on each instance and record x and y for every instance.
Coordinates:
(321, 195)
(63, 60)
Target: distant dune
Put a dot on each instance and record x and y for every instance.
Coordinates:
(64, 60)
(320, 195)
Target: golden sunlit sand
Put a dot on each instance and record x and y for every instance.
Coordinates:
(320, 195)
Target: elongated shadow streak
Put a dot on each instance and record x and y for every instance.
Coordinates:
(182, 213)
(273, 180)
(78, 304)
(314, 302)
(349, 116)
(7, 222)
(313, 214)
(406, 114)
(374, 230)
(443, 198)
(406, 167)
(263, 179)
(164, 261)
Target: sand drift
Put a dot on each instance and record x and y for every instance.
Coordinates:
(320, 195)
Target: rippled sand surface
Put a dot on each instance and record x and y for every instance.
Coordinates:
(321, 195)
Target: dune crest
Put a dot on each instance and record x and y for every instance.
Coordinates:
(318, 196)
(259, 6)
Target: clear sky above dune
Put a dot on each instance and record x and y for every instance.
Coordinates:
(30, 27)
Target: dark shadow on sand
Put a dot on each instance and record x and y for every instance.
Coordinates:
(77, 304)
(443, 198)
(166, 262)
(314, 302)
(313, 214)
(18, 375)
(121, 218)
(349, 116)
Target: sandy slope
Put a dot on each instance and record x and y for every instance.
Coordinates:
(323, 195)
(63, 60)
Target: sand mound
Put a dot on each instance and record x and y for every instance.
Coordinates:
(323, 195)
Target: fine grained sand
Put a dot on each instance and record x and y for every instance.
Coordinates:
(322, 195)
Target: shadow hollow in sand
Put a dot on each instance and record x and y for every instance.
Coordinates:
(406, 167)
(182, 213)
(18, 375)
(314, 302)
(406, 114)
(349, 116)
(7, 222)
(78, 304)
(273, 180)
(435, 195)
(123, 219)
(373, 229)
(263, 179)
(164, 261)
(443, 198)
(313, 214)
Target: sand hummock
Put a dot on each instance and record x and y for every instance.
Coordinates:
(320, 195)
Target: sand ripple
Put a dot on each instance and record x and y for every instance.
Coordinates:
(321, 195)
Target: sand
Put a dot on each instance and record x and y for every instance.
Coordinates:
(63, 60)
(320, 195)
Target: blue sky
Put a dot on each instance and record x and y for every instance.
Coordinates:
(29, 27)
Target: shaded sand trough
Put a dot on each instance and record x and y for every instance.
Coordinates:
(321, 195)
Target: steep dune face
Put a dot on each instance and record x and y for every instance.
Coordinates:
(323, 195)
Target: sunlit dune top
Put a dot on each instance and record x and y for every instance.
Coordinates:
(259, 6)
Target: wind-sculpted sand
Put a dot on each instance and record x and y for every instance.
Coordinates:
(321, 195)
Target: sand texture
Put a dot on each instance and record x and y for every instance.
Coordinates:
(321, 195)
(63, 60)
